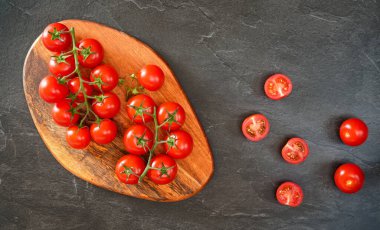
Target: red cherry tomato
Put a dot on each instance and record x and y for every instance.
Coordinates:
(74, 86)
(151, 77)
(138, 139)
(290, 194)
(104, 132)
(349, 178)
(278, 86)
(52, 89)
(139, 107)
(255, 127)
(129, 168)
(295, 151)
(105, 77)
(164, 169)
(172, 114)
(64, 113)
(353, 132)
(61, 65)
(78, 138)
(108, 106)
(179, 144)
(91, 53)
(56, 37)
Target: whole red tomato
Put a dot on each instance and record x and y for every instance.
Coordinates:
(64, 113)
(105, 77)
(138, 139)
(172, 114)
(61, 65)
(78, 138)
(129, 168)
(179, 144)
(74, 86)
(104, 132)
(151, 77)
(107, 106)
(349, 178)
(353, 132)
(140, 108)
(290, 194)
(91, 53)
(56, 37)
(52, 89)
(164, 169)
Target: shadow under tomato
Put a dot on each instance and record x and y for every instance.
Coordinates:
(333, 124)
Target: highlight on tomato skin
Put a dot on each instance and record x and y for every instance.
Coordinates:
(349, 178)
(289, 194)
(295, 151)
(353, 132)
(278, 86)
(255, 127)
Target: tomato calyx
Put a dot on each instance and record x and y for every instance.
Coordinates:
(56, 34)
(128, 171)
(171, 119)
(140, 111)
(85, 52)
(132, 91)
(61, 58)
(99, 82)
(100, 98)
(142, 142)
(164, 171)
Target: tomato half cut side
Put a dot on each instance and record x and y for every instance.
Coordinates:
(278, 86)
(255, 127)
(290, 194)
(295, 151)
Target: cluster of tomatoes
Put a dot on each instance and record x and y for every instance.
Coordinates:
(349, 178)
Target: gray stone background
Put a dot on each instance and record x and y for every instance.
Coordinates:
(221, 52)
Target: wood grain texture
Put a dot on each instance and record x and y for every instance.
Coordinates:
(96, 163)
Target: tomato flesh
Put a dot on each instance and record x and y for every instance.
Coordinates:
(278, 86)
(349, 178)
(290, 194)
(295, 151)
(255, 127)
(353, 132)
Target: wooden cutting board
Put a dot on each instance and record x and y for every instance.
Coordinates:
(96, 163)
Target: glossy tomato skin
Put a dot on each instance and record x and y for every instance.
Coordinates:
(128, 167)
(91, 53)
(138, 139)
(56, 42)
(108, 107)
(353, 132)
(74, 86)
(174, 113)
(349, 178)
(151, 77)
(51, 90)
(138, 108)
(107, 75)
(278, 86)
(255, 127)
(61, 65)
(295, 151)
(78, 138)
(63, 113)
(179, 144)
(165, 169)
(290, 194)
(104, 132)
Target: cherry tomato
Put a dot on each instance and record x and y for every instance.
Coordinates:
(151, 77)
(107, 106)
(105, 78)
(179, 144)
(349, 178)
(290, 194)
(138, 139)
(129, 168)
(64, 113)
(164, 169)
(52, 89)
(255, 127)
(104, 132)
(278, 86)
(139, 107)
(61, 65)
(172, 114)
(353, 132)
(56, 37)
(295, 151)
(78, 138)
(74, 86)
(91, 53)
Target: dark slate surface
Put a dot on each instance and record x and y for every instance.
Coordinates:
(221, 52)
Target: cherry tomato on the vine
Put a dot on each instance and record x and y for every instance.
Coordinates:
(255, 127)
(349, 178)
(138, 139)
(164, 169)
(78, 138)
(151, 77)
(56, 37)
(295, 151)
(74, 86)
(278, 86)
(64, 113)
(290, 194)
(61, 65)
(129, 168)
(104, 132)
(90, 53)
(52, 89)
(179, 144)
(140, 108)
(106, 106)
(353, 132)
(105, 77)
(171, 115)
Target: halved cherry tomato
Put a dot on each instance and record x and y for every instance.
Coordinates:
(106, 106)
(172, 114)
(90, 53)
(151, 77)
(278, 86)
(105, 77)
(255, 127)
(138, 139)
(140, 108)
(52, 89)
(64, 113)
(164, 169)
(290, 194)
(104, 132)
(179, 144)
(78, 138)
(353, 132)
(129, 168)
(56, 37)
(61, 65)
(295, 151)
(349, 178)
(74, 86)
